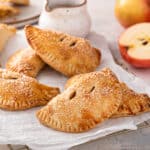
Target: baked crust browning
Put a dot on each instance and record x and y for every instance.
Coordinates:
(20, 92)
(73, 80)
(66, 54)
(133, 103)
(25, 61)
(83, 105)
(8, 11)
(6, 32)
(18, 2)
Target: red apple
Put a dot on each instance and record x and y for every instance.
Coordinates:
(134, 45)
(130, 12)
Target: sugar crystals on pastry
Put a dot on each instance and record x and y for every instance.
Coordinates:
(66, 54)
(73, 80)
(84, 104)
(25, 61)
(20, 92)
(6, 32)
(133, 103)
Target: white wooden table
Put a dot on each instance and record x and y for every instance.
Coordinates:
(104, 22)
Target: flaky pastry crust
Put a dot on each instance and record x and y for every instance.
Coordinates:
(133, 103)
(25, 61)
(20, 92)
(6, 32)
(66, 54)
(84, 104)
(18, 2)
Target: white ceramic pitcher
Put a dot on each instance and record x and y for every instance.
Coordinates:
(69, 16)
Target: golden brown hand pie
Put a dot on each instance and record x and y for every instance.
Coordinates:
(132, 103)
(8, 11)
(25, 61)
(6, 32)
(20, 92)
(84, 104)
(66, 54)
(73, 80)
(18, 2)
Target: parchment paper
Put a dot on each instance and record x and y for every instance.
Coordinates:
(23, 128)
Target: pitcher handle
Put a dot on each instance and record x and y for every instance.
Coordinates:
(48, 9)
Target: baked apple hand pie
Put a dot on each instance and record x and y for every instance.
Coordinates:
(84, 104)
(18, 2)
(8, 11)
(132, 103)
(6, 32)
(25, 61)
(73, 80)
(66, 54)
(20, 92)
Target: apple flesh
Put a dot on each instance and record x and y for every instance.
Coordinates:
(130, 12)
(134, 45)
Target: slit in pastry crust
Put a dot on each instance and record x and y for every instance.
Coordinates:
(66, 54)
(83, 105)
(133, 103)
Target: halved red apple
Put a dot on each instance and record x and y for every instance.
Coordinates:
(134, 45)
